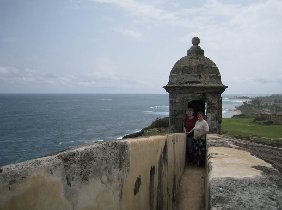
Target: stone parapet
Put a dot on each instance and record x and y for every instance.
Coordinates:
(238, 180)
(141, 173)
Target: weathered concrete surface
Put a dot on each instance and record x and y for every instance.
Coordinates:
(230, 162)
(192, 189)
(141, 173)
(159, 175)
(238, 180)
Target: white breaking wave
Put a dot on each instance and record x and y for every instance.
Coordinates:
(93, 140)
(106, 99)
(157, 113)
(148, 112)
(159, 107)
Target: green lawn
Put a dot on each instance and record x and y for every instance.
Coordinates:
(245, 127)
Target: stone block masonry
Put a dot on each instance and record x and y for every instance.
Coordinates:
(195, 82)
(141, 173)
(239, 180)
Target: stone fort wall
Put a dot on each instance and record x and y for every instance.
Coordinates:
(142, 173)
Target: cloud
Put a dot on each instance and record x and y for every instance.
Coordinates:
(24, 75)
(172, 13)
(104, 68)
(103, 77)
(273, 80)
(139, 9)
(105, 73)
(211, 14)
(241, 37)
(220, 19)
(245, 43)
(252, 84)
(129, 33)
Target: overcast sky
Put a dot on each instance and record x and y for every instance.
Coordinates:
(130, 46)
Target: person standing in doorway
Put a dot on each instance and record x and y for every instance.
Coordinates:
(188, 125)
(200, 130)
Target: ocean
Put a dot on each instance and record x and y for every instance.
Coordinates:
(34, 125)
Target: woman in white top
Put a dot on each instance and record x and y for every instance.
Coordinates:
(201, 127)
(200, 131)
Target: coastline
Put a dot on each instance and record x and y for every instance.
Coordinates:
(160, 126)
(237, 112)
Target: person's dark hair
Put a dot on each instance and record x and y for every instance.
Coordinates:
(201, 113)
(190, 110)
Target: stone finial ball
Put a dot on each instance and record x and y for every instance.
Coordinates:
(195, 41)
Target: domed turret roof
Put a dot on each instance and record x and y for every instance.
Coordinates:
(195, 69)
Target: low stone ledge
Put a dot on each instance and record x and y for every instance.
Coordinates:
(238, 180)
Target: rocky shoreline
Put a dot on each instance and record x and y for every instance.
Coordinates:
(262, 105)
(237, 112)
(158, 127)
